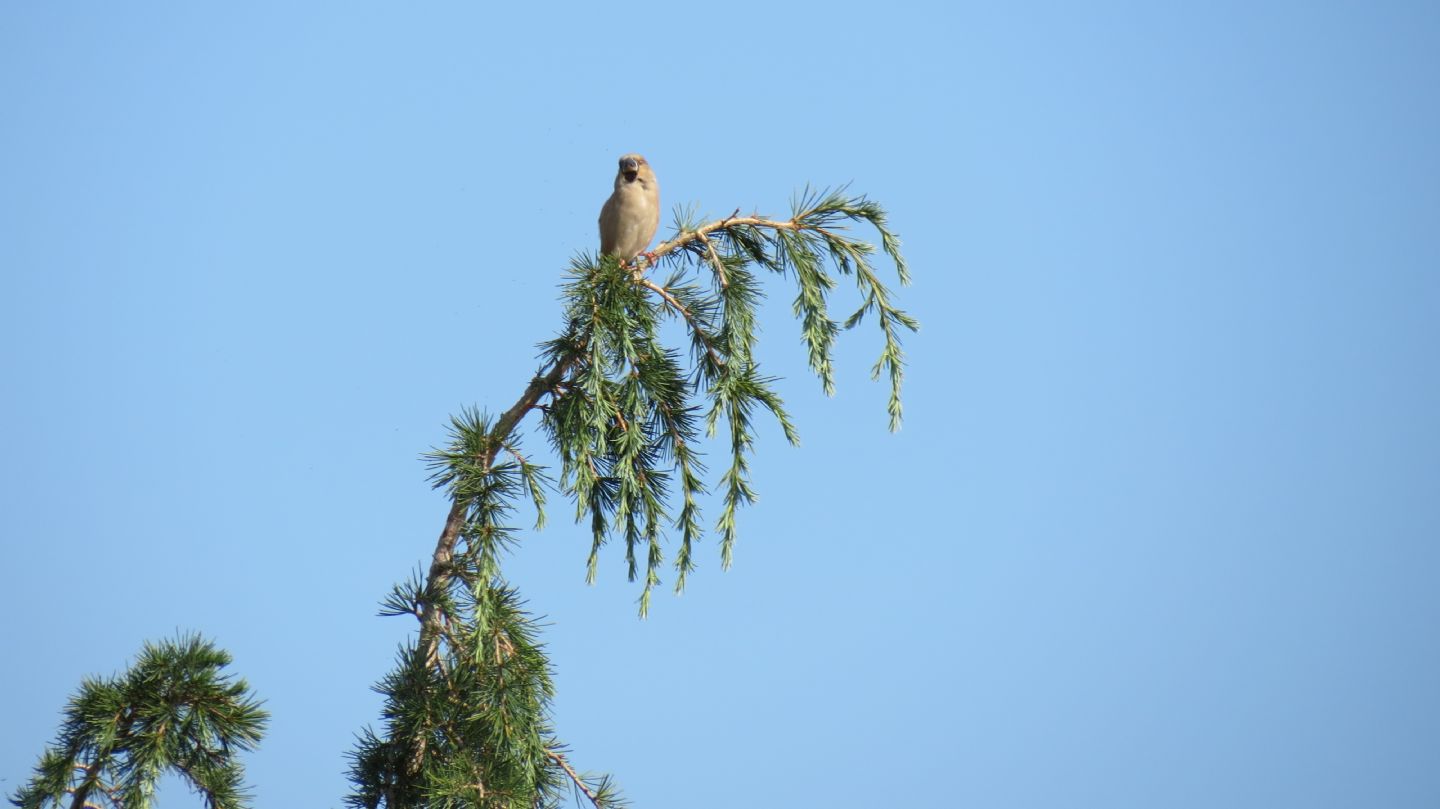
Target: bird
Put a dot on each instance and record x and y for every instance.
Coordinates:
(631, 215)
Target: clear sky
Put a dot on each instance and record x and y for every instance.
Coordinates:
(1162, 527)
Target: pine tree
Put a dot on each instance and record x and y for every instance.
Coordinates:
(172, 711)
(466, 716)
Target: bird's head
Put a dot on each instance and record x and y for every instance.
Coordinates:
(632, 167)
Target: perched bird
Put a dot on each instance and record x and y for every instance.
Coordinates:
(632, 214)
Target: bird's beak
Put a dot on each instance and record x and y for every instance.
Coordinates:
(630, 168)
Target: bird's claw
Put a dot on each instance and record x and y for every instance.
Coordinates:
(639, 269)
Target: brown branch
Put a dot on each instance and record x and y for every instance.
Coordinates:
(101, 764)
(715, 260)
(92, 777)
(195, 783)
(513, 453)
(441, 561)
(574, 776)
(684, 312)
(683, 239)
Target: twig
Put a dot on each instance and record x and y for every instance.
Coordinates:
(715, 259)
(728, 222)
(684, 312)
(91, 771)
(574, 776)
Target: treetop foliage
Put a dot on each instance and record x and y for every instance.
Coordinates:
(172, 711)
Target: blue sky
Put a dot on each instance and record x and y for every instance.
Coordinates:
(1162, 526)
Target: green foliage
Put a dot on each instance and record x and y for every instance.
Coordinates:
(466, 719)
(172, 710)
(625, 421)
(467, 707)
(472, 730)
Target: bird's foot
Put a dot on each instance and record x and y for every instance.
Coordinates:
(638, 269)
